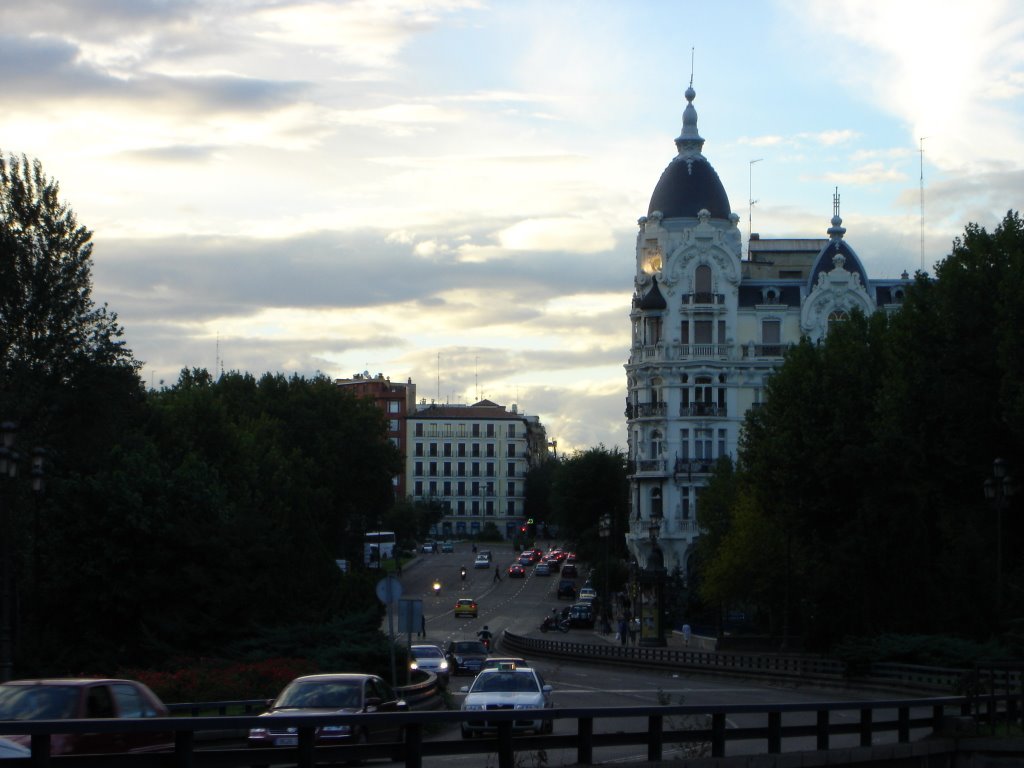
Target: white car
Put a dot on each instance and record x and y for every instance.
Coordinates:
(430, 658)
(482, 562)
(587, 594)
(507, 687)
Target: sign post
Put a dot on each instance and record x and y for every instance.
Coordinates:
(389, 589)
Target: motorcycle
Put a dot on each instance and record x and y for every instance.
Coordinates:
(437, 587)
(462, 572)
(487, 643)
(554, 623)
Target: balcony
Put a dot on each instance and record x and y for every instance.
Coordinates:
(705, 351)
(704, 409)
(692, 467)
(646, 410)
(713, 299)
(647, 468)
(765, 350)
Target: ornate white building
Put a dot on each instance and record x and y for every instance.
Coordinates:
(708, 328)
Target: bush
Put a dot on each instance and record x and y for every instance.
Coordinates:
(217, 680)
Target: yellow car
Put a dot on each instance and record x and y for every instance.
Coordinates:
(465, 607)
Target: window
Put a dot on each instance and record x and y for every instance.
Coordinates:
(447, 487)
(396, 441)
(460, 505)
(418, 468)
(684, 332)
(655, 444)
(462, 449)
(447, 449)
(511, 430)
(393, 425)
(489, 507)
(652, 327)
(702, 444)
(511, 469)
(476, 449)
(433, 469)
(433, 488)
(419, 449)
(461, 488)
(684, 444)
(490, 488)
(490, 430)
(476, 469)
(433, 449)
(721, 443)
(511, 489)
(771, 335)
(461, 469)
(490, 449)
(685, 495)
(447, 469)
(511, 449)
(510, 509)
(474, 489)
(419, 429)
(490, 469)
(721, 331)
(476, 506)
(702, 332)
(418, 488)
(476, 430)
(702, 280)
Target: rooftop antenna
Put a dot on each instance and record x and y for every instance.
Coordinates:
(476, 376)
(751, 200)
(438, 378)
(921, 154)
(692, 49)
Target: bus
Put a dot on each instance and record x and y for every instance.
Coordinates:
(377, 547)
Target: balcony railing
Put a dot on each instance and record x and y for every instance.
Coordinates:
(703, 298)
(703, 409)
(765, 350)
(694, 466)
(642, 410)
(715, 351)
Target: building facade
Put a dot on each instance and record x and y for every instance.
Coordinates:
(708, 328)
(473, 459)
(396, 400)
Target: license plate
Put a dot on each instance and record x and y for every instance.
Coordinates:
(286, 741)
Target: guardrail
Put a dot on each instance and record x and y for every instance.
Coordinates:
(703, 728)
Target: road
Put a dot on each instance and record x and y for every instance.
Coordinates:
(519, 604)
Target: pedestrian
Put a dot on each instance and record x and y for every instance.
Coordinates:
(623, 630)
(398, 564)
(633, 626)
(423, 625)
(497, 573)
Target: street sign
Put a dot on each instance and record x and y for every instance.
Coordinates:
(389, 589)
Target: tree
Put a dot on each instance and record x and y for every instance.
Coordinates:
(50, 328)
(587, 485)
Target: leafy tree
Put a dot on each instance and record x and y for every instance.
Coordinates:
(589, 484)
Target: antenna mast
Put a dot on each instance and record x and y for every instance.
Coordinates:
(751, 200)
(692, 49)
(921, 154)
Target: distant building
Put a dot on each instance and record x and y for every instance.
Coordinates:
(473, 459)
(708, 329)
(396, 400)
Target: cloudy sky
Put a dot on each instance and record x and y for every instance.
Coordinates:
(448, 191)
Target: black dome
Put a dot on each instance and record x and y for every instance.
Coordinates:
(688, 185)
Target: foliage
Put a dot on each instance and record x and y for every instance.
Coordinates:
(926, 650)
(856, 506)
(587, 485)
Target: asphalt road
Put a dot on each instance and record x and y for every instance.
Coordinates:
(519, 605)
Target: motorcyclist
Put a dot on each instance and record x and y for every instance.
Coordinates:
(462, 572)
(485, 636)
(437, 587)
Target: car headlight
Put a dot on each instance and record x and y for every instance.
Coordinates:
(444, 666)
(413, 665)
(257, 732)
(336, 730)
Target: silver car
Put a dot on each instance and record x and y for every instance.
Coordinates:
(508, 687)
(430, 658)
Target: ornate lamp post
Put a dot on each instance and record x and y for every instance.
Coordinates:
(652, 591)
(604, 530)
(998, 490)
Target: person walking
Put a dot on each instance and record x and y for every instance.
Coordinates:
(623, 629)
(423, 625)
(497, 573)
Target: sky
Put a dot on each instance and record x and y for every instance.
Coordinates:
(448, 191)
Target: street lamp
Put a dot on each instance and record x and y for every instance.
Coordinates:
(998, 490)
(604, 530)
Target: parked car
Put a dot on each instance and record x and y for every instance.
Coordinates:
(330, 694)
(465, 657)
(430, 658)
(79, 699)
(516, 571)
(465, 606)
(482, 562)
(582, 615)
(507, 687)
(447, 546)
(566, 588)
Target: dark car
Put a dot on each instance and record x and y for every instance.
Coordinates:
(566, 588)
(569, 571)
(516, 571)
(81, 698)
(582, 615)
(325, 695)
(465, 657)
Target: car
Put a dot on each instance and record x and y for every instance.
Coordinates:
(516, 571)
(543, 569)
(447, 546)
(486, 553)
(465, 657)
(566, 588)
(430, 658)
(81, 698)
(494, 662)
(327, 694)
(465, 606)
(428, 546)
(553, 564)
(508, 687)
(569, 571)
(528, 557)
(582, 615)
(587, 594)
(482, 562)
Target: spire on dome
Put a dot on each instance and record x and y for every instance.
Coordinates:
(689, 142)
(837, 230)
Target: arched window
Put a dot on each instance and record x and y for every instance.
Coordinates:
(656, 443)
(702, 280)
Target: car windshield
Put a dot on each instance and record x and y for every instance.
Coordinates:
(518, 681)
(470, 647)
(316, 694)
(37, 702)
(427, 653)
